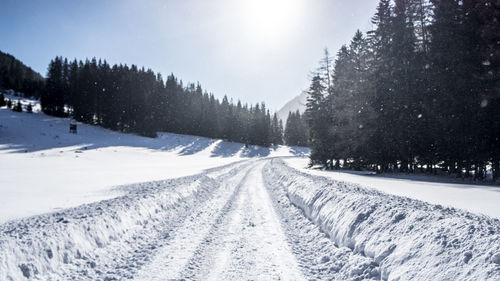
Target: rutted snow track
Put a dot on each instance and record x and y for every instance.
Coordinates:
(236, 235)
(252, 220)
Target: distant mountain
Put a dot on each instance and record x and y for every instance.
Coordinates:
(17, 76)
(299, 102)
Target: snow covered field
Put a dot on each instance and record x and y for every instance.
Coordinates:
(44, 168)
(481, 199)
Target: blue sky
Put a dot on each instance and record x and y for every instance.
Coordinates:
(259, 50)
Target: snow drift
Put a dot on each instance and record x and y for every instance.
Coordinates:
(407, 238)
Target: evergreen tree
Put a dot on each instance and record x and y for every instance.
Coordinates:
(53, 97)
(19, 77)
(296, 130)
(419, 91)
(350, 103)
(276, 130)
(317, 120)
(136, 100)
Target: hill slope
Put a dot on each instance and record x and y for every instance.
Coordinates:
(297, 103)
(17, 76)
(48, 168)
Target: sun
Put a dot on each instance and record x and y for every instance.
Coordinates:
(270, 20)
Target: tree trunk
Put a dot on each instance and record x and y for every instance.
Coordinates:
(495, 170)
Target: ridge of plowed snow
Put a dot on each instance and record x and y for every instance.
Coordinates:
(481, 199)
(110, 238)
(407, 238)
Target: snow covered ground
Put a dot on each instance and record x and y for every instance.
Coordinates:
(101, 205)
(481, 199)
(256, 219)
(44, 168)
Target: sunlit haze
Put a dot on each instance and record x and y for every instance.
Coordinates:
(260, 50)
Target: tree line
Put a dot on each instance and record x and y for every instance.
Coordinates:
(420, 91)
(296, 129)
(129, 99)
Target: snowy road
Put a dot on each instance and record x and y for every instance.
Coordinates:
(252, 220)
(235, 234)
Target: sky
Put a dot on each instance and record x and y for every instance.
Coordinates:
(258, 50)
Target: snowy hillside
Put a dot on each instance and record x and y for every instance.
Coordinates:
(297, 103)
(44, 168)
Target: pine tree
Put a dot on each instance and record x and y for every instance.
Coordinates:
(324, 70)
(53, 97)
(317, 120)
(488, 12)
(276, 130)
(295, 130)
(350, 103)
(136, 100)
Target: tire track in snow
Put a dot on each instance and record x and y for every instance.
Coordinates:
(246, 241)
(178, 251)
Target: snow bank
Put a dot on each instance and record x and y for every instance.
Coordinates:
(407, 238)
(481, 199)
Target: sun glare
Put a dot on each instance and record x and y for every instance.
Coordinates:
(270, 20)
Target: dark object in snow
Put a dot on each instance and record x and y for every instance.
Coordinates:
(27, 269)
(72, 128)
(49, 253)
(467, 256)
(18, 107)
(496, 258)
